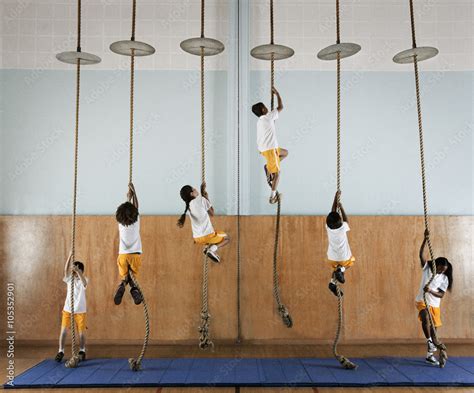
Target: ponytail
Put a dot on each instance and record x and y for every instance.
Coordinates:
(187, 198)
(441, 261)
(182, 219)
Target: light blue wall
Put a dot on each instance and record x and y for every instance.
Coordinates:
(380, 145)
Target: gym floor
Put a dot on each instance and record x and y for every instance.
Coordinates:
(27, 355)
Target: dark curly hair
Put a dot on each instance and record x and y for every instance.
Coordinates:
(127, 214)
(257, 109)
(333, 220)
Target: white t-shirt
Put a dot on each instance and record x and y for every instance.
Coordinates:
(440, 282)
(79, 295)
(130, 241)
(200, 220)
(338, 248)
(266, 134)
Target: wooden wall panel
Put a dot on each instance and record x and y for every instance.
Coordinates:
(380, 289)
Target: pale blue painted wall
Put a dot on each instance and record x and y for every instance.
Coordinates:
(380, 145)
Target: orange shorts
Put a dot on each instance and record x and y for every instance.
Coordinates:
(80, 320)
(273, 159)
(348, 263)
(126, 261)
(434, 311)
(212, 238)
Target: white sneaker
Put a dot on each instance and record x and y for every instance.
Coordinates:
(432, 360)
(431, 347)
(212, 254)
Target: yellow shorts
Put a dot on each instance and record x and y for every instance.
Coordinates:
(213, 238)
(79, 318)
(348, 263)
(126, 260)
(273, 159)
(434, 311)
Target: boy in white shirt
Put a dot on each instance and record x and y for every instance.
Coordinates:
(442, 282)
(267, 143)
(200, 209)
(76, 273)
(130, 249)
(339, 253)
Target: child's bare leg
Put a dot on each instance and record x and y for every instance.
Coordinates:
(82, 341)
(224, 242)
(283, 154)
(425, 323)
(62, 339)
(275, 180)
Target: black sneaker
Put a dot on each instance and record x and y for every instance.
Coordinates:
(82, 356)
(119, 293)
(59, 356)
(333, 289)
(136, 295)
(432, 360)
(339, 275)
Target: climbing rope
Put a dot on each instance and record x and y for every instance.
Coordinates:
(443, 357)
(282, 310)
(204, 335)
(74, 360)
(135, 363)
(346, 363)
(239, 325)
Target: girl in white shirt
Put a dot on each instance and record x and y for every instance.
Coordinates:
(199, 210)
(76, 273)
(442, 282)
(339, 253)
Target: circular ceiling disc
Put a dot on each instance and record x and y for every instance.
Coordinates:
(265, 52)
(132, 48)
(83, 57)
(202, 46)
(421, 53)
(342, 50)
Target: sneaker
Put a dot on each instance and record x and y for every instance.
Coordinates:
(339, 275)
(82, 356)
(268, 175)
(212, 255)
(432, 360)
(119, 293)
(431, 347)
(59, 356)
(274, 199)
(333, 289)
(136, 295)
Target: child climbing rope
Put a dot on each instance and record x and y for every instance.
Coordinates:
(435, 291)
(200, 209)
(76, 273)
(130, 248)
(267, 143)
(339, 253)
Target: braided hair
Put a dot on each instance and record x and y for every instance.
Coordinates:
(187, 198)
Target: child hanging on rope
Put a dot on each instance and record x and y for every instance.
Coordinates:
(76, 273)
(130, 248)
(442, 281)
(339, 253)
(267, 143)
(200, 209)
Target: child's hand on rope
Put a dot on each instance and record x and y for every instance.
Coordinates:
(204, 191)
(275, 91)
(426, 289)
(427, 233)
(131, 191)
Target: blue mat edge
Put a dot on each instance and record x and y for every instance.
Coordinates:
(226, 384)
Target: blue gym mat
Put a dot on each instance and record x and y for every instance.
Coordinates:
(266, 372)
